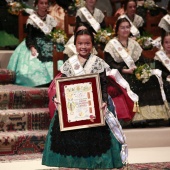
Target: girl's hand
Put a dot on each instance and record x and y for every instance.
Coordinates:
(103, 107)
(56, 102)
(129, 70)
(33, 51)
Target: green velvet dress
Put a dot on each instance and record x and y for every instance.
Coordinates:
(103, 153)
(89, 148)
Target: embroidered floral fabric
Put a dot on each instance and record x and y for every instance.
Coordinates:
(134, 50)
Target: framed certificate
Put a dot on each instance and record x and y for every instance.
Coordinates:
(80, 102)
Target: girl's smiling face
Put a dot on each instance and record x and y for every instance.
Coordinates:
(84, 45)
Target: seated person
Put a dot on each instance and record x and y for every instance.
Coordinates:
(92, 15)
(124, 53)
(32, 60)
(162, 62)
(135, 20)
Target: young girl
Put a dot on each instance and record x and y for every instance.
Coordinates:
(90, 148)
(91, 15)
(162, 62)
(32, 59)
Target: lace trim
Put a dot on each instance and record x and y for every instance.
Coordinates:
(164, 24)
(134, 51)
(138, 21)
(98, 15)
(96, 67)
(50, 22)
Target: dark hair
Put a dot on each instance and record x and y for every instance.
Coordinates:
(64, 3)
(118, 22)
(36, 2)
(79, 24)
(126, 3)
(84, 32)
(163, 36)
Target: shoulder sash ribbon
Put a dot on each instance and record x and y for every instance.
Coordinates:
(117, 131)
(167, 18)
(72, 48)
(40, 23)
(123, 83)
(133, 29)
(122, 52)
(90, 18)
(76, 66)
(164, 59)
(78, 69)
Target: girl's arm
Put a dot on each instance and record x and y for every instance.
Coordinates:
(30, 40)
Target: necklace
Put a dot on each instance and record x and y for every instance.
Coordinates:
(125, 46)
(42, 17)
(90, 10)
(131, 17)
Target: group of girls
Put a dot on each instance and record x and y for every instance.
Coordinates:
(97, 147)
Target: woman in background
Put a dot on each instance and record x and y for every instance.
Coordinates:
(135, 20)
(92, 15)
(32, 59)
(124, 53)
(162, 62)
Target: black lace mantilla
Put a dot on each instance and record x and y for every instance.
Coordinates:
(82, 142)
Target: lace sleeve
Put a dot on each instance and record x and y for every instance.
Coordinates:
(30, 37)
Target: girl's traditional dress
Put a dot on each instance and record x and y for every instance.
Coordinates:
(34, 70)
(93, 147)
(136, 25)
(152, 102)
(162, 62)
(117, 87)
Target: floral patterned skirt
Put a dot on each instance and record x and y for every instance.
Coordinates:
(30, 71)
